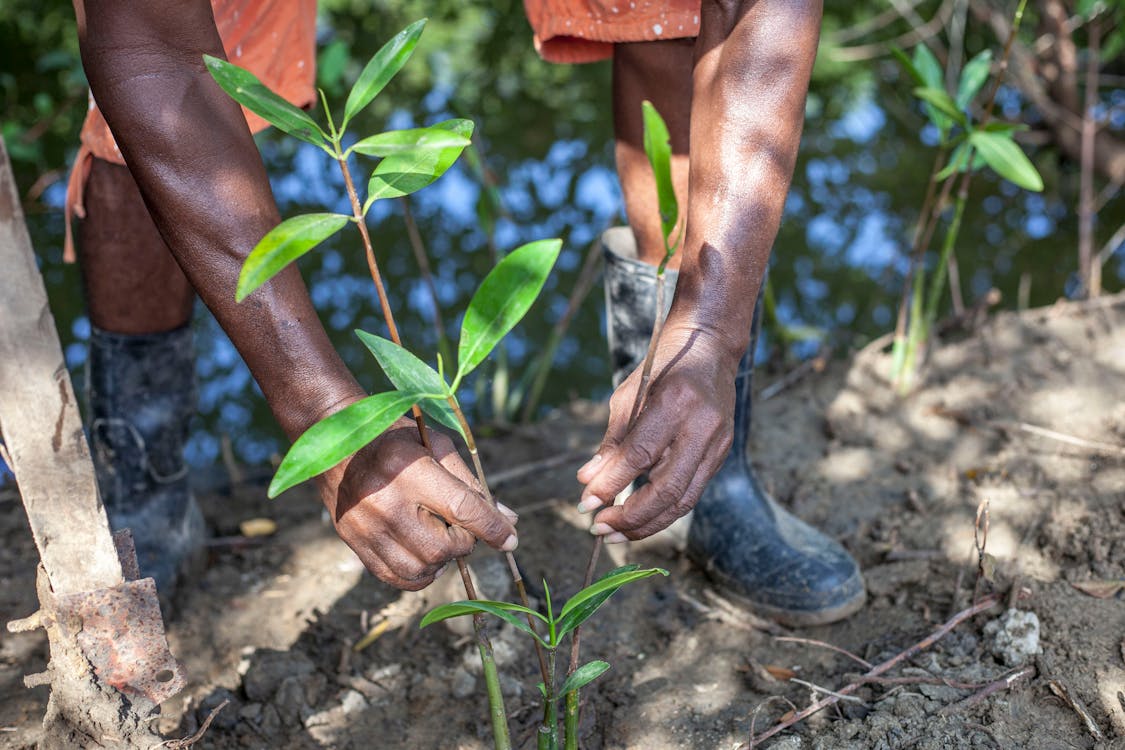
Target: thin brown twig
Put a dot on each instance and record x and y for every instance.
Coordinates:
(1110, 449)
(197, 735)
(825, 691)
(980, 541)
(813, 642)
(984, 604)
(423, 260)
(1004, 683)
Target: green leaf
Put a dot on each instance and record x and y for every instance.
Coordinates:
(381, 69)
(1008, 128)
(408, 373)
(908, 66)
(1007, 159)
(331, 440)
(958, 161)
(583, 676)
(929, 69)
(973, 77)
(399, 141)
(245, 88)
(942, 102)
(582, 605)
(283, 244)
(503, 298)
(409, 171)
(658, 148)
(504, 610)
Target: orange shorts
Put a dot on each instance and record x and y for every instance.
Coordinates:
(273, 39)
(577, 31)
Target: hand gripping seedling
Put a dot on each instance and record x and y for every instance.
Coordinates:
(410, 160)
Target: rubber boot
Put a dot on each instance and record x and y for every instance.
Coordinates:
(141, 395)
(758, 551)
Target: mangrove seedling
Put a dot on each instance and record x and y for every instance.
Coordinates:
(965, 145)
(409, 161)
(658, 148)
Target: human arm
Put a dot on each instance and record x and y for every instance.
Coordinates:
(190, 151)
(751, 71)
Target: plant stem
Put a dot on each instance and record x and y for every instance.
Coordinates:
(517, 578)
(937, 282)
(423, 260)
(548, 734)
(373, 267)
(570, 722)
(500, 738)
(591, 566)
(577, 295)
(488, 663)
(1089, 271)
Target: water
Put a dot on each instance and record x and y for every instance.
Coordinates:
(546, 134)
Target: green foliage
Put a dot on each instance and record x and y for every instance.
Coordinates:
(381, 69)
(283, 244)
(502, 610)
(408, 373)
(408, 171)
(973, 77)
(1000, 152)
(576, 610)
(245, 88)
(331, 440)
(658, 148)
(415, 139)
(502, 299)
(584, 675)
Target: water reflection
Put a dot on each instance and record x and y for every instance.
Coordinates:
(837, 267)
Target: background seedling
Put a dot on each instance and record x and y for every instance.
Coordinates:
(964, 146)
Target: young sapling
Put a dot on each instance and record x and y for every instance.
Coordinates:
(965, 147)
(658, 148)
(409, 160)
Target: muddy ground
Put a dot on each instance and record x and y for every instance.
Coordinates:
(271, 623)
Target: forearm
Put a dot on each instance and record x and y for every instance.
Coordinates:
(752, 66)
(192, 155)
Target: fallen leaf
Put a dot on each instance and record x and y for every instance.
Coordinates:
(780, 673)
(258, 527)
(1103, 589)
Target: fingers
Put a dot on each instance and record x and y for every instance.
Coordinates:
(451, 461)
(620, 409)
(675, 486)
(638, 451)
(442, 493)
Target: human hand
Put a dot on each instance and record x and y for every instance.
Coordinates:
(681, 437)
(388, 502)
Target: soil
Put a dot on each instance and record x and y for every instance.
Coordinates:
(271, 623)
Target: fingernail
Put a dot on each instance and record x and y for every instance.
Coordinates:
(511, 514)
(601, 529)
(616, 538)
(510, 543)
(597, 459)
(593, 502)
(440, 571)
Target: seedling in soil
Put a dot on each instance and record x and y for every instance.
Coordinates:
(965, 146)
(658, 148)
(410, 160)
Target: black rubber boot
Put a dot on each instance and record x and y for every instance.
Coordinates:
(141, 394)
(755, 549)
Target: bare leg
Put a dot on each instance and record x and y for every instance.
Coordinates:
(660, 72)
(133, 284)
